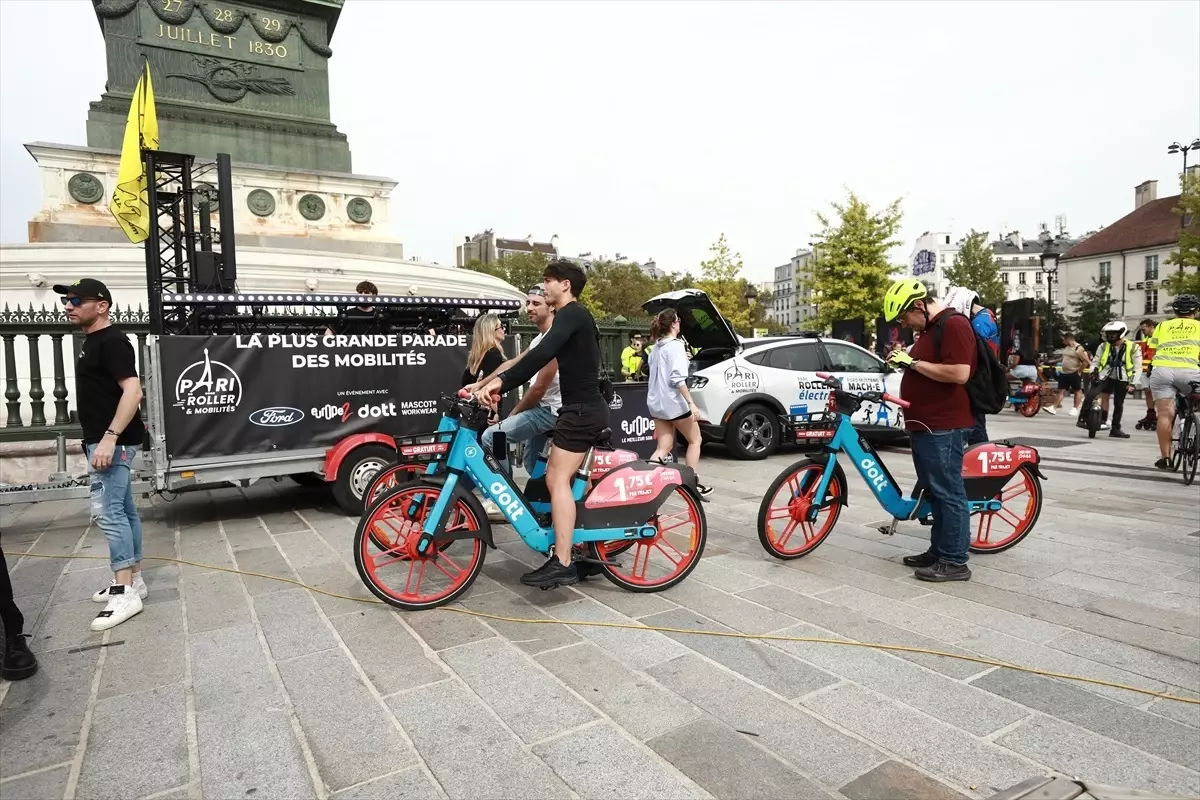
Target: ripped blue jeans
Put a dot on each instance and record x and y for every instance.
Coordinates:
(113, 508)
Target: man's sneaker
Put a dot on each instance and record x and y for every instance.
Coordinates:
(1117, 433)
(1050, 409)
(942, 571)
(139, 583)
(1103, 426)
(494, 514)
(551, 575)
(703, 491)
(18, 663)
(121, 606)
(926, 559)
(1074, 412)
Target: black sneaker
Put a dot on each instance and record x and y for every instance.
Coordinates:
(551, 575)
(927, 559)
(1163, 463)
(18, 663)
(586, 569)
(703, 491)
(942, 571)
(1117, 433)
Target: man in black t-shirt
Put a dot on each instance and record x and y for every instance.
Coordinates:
(575, 342)
(357, 319)
(107, 394)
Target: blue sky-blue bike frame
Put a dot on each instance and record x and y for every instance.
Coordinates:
(847, 440)
(467, 459)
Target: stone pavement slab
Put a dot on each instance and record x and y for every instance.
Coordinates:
(258, 689)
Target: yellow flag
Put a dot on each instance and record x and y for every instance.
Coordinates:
(129, 203)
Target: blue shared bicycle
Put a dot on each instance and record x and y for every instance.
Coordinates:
(422, 542)
(802, 505)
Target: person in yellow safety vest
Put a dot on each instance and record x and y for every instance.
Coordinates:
(632, 357)
(1176, 344)
(1117, 369)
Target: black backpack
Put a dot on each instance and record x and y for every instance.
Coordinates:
(988, 385)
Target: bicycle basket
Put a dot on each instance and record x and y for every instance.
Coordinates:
(422, 448)
(815, 427)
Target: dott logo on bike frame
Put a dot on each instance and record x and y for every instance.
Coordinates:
(875, 474)
(504, 498)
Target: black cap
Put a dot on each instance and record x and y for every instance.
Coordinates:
(86, 287)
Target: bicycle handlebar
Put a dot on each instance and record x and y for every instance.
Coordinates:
(835, 383)
(463, 394)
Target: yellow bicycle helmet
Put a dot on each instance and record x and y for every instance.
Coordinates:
(900, 295)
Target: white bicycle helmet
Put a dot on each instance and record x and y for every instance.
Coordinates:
(1114, 330)
(961, 299)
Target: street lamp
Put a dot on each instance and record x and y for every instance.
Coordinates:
(1176, 147)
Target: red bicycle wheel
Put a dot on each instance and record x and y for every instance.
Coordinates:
(784, 527)
(385, 480)
(1031, 406)
(400, 575)
(1021, 504)
(669, 557)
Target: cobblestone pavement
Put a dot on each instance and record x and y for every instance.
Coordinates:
(230, 686)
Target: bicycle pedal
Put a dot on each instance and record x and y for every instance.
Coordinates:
(886, 530)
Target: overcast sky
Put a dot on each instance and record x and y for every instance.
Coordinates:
(650, 128)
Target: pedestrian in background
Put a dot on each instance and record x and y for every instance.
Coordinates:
(667, 397)
(1075, 362)
(108, 393)
(1145, 331)
(633, 359)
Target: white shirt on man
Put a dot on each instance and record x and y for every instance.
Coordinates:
(552, 399)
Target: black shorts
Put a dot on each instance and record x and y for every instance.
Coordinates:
(579, 425)
(1069, 382)
(684, 415)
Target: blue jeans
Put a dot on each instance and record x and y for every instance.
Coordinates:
(938, 457)
(113, 508)
(529, 426)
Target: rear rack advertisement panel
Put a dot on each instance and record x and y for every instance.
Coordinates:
(259, 393)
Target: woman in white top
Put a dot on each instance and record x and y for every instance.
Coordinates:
(667, 395)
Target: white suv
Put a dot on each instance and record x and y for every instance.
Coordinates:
(742, 387)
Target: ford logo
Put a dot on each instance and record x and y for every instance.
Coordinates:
(276, 417)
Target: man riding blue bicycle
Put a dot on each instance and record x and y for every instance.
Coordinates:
(939, 419)
(574, 341)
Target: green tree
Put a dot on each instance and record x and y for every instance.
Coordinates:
(522, 270)
(721, 279)
(1186, 279)
(850, 272)
(1053, 324)
(975, 268)
(1092, 310)
(622, 288)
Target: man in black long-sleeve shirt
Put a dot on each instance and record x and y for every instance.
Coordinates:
(574, 340)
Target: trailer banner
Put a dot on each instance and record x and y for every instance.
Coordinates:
(261, 393)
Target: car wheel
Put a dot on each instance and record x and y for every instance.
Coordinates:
(752, 433)
(356, 473)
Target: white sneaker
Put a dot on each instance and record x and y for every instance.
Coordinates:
(1050, 409)
(1103, 426)
(1074, 412)
(494, 514)
(121, 606)
(139, 583)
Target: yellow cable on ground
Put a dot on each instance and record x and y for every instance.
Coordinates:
(663, 629)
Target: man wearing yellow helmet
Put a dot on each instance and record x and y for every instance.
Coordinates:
(936, 370)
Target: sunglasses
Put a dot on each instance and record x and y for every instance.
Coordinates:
(75, 301)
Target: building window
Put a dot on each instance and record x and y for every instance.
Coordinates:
(943, 258)
(1151, 295)
(1038, 277)
(1039, 295)
(1152, 272)
(1004, 277)
(1106, 272)
(1021, 278)
(1022, 294)
(947, 240)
